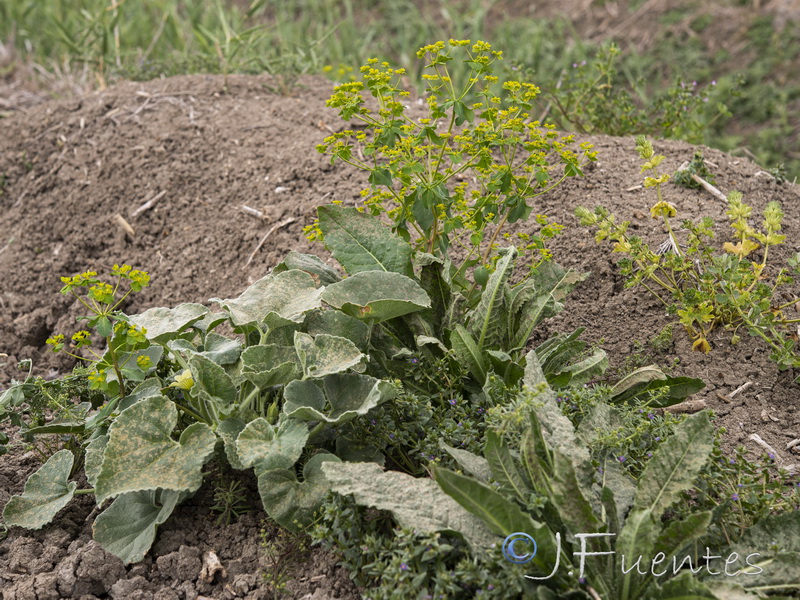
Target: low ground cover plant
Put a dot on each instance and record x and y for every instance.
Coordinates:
(344, 391)
(736, 289)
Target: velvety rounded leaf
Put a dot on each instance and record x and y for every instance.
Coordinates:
(127, 528)
(141, 454)
(290, 503)
(46, 492)
(163, 324)
(376, 296)
(325, 354)
(274, 300)
(336, 399)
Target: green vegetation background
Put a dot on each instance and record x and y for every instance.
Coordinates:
(150, 38)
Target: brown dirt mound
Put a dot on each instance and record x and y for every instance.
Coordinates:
(205, 147)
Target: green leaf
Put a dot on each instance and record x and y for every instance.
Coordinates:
(325, 354)
(93, 459)
(274, 300)
(229, 431)
(503, 517)
(361, 243)
(776, 539)
(164, 324)
(503, 467)
(334, 322)
(415, 503)
(432, 279)
(265, 447)
(475, 465)
(675, 465)
(269, 365)
(678, 535)
(488, 321)
(336, 399)
(127, 528)
(46, 492)
(635, 540)
(211, 382)
(584, 370)
(290, 503)
(568, 497)
(380, 176)
(468, 353)
(376, 296)
(221, 350)
(556, 428)
(141, 454)
(313, 265)
(678, 389)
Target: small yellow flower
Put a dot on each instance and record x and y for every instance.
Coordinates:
(183, 381)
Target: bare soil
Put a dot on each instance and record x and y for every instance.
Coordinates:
(73, 167)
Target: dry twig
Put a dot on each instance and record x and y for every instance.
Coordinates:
(149, 204)
(269, 233)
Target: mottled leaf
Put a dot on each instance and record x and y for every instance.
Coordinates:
(141, 454)
(93, 458)
(376, 296)
(274, 300)
(475, 465)
(336, 399)
(290, 503)
(334, 322)
(127, 528)
(164, 324)
(676, 464)
(46, 492)
(415, 503)
(229, 431)
(211, 382)
(266, 447)
(325, 354)
(269, 365)
(487, 323)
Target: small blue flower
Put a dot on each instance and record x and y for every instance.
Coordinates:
(651, 416)
(403, 567)
(621, 459)
(658, 438)
(735, 497)
(452, 401)
(649, 455)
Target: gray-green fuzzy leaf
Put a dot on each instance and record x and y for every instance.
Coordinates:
(46, 492)
(325, 354)
(376, 296)
(141, 454)
(290, 503)
(127, 528)
(488, 321)
(211, 382)
(93, 459)
(675, 466)
(274, 300)
(334, 322)
(336, 399)
(229, 431)
(361, 243)
(557, 429)
(468, 353)
(475, 465)
(265, 447)
(163, 324)
(683, 587)
(415, 503)
(268, 365)
(313, 265)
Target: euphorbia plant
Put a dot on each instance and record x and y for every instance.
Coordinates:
(731, 289)
(478, 130)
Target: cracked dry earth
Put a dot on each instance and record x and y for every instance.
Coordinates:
(203, 150)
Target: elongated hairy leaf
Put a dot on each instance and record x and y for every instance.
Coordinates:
(141, 454)
(361, 243)
(675, 466)
(488, 322)
(468, 353)
(46, 492)
(415, 503)
(313, 265)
